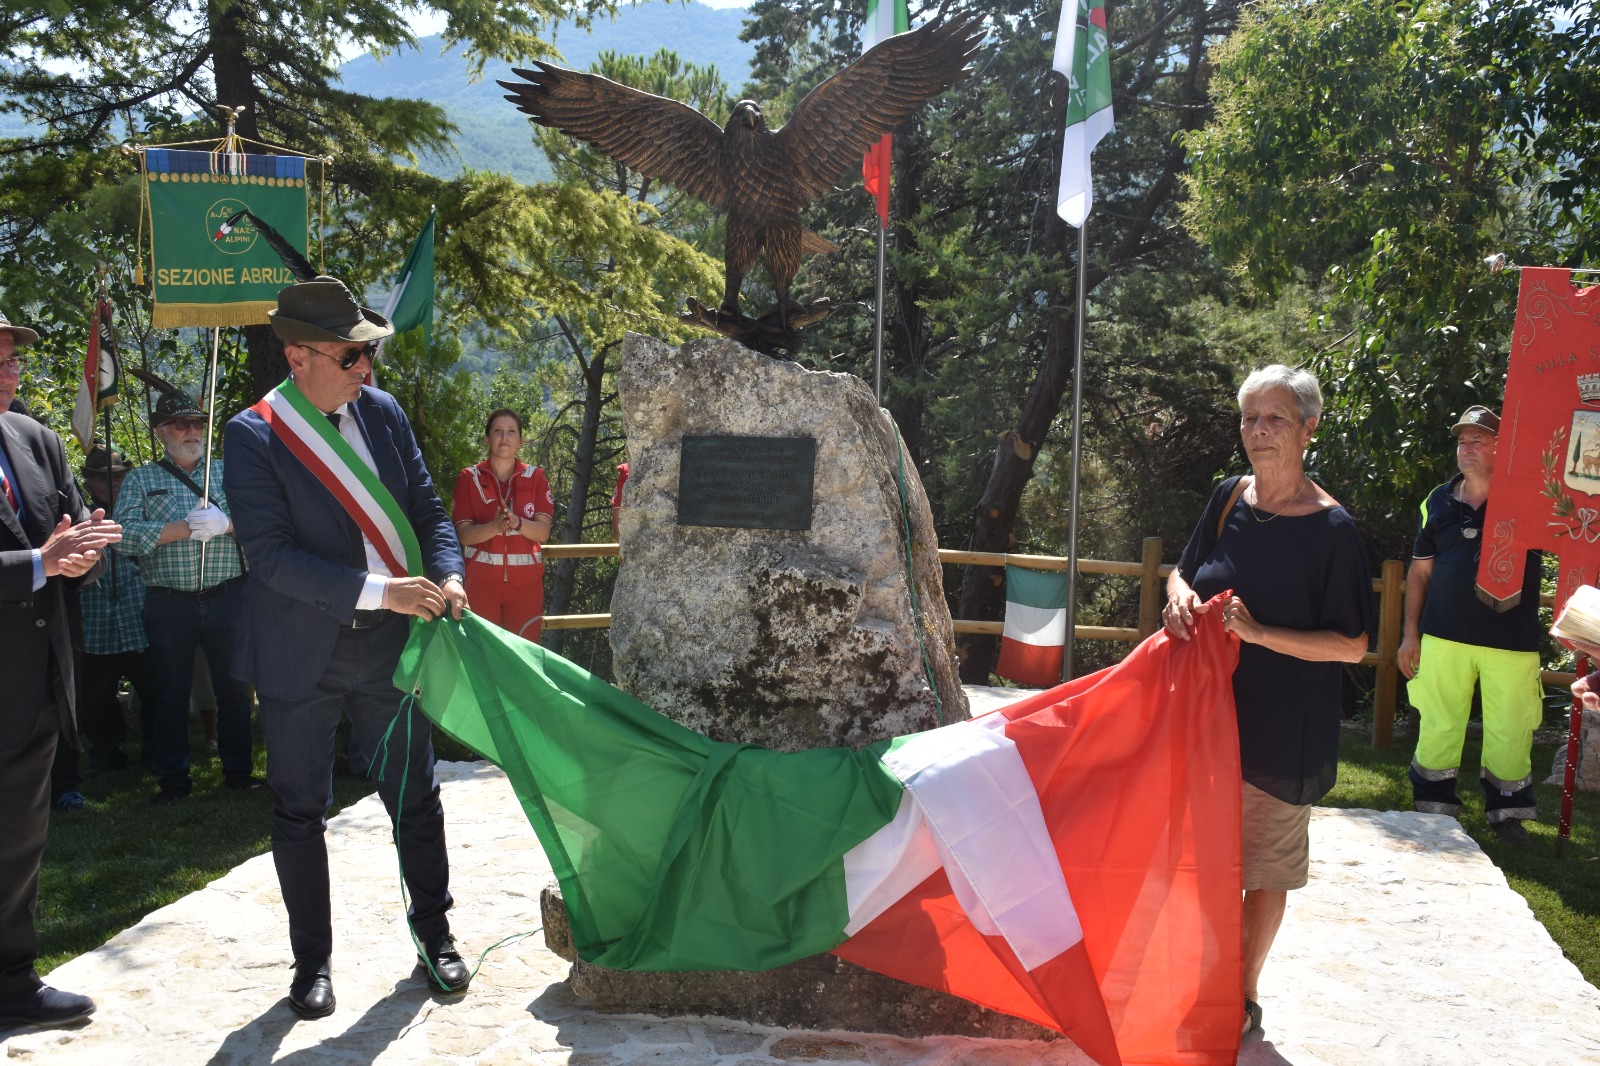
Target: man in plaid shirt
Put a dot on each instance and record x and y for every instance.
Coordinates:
(193, 573)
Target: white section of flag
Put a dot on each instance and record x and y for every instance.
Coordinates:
(879, 23)
(972, 802)
(1042, 627)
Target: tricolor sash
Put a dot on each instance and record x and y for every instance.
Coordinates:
(312, 439)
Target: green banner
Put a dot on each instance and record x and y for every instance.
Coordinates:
(201, 274)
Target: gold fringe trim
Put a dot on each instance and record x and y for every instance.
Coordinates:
(1498, 606)
(241, 313)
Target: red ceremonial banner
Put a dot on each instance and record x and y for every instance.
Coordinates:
(1545, 494)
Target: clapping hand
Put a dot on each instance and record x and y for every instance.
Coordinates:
(72, 550)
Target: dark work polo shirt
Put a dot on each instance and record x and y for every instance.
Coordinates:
(1453, 610)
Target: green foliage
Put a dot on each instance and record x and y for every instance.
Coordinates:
(439, 400)
(1390, 147)
(980, 307)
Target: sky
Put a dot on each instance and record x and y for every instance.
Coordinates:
(433, 21)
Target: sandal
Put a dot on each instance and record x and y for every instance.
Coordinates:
(1252, 1018)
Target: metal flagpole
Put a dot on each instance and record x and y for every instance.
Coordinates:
(877, 332)
(111, 479)
(1077, 442)
(211, 421)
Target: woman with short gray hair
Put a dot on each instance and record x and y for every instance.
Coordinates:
(1301, 606)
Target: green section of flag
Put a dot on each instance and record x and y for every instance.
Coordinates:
(200, 279)
(413, 304)
(1091, 63)
(674, 851)
(1044, 589)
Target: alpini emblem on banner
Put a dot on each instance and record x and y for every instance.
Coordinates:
(236, 239)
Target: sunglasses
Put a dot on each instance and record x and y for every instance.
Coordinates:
(351, 357)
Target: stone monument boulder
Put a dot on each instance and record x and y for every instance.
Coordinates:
(758, 626)
(837, 634)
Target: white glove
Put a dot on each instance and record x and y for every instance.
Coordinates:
(206, 522)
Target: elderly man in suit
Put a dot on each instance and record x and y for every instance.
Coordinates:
(48, 540)
(345, 537)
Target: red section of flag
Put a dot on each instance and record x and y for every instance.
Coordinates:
(91, 357)
(875, 174)
(1029, 664)
(1137, 772)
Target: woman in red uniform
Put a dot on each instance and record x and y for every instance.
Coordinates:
(503, 512)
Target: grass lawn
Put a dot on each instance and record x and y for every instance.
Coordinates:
(109, 865)
(121, 857)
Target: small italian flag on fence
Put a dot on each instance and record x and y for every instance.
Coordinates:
(1071, 859)
(1036, 627)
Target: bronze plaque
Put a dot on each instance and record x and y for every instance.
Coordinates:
(746, 482)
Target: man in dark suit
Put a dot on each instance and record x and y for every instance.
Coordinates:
(344, 535)
(48, 540)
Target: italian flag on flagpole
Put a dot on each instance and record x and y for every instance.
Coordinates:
(1071, 859)
(1035, 634)
(1083, 54)
(885, 18)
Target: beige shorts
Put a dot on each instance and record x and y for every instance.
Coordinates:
(1275, 842)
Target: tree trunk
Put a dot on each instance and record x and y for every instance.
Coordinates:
(231, 66)
(983, 587)
(267, 363)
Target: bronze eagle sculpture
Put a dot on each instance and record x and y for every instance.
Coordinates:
(760, 178)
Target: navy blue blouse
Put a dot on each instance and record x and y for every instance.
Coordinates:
(1299, 572)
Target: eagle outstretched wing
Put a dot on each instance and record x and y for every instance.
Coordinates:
(844, 116)
(660, 138)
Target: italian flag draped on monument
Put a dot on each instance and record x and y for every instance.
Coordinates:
(1072, 859)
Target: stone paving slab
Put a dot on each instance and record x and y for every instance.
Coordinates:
(1408, 948)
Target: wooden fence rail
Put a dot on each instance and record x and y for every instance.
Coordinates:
(1390, 587)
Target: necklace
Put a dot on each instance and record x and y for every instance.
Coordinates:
(1468, 530)
(502, 489)
(1255, 488)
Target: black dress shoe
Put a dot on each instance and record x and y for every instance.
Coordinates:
(311, 991)
(45, 1007)
(448, 972)
(243, 783)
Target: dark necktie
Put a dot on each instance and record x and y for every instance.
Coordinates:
(334, 417)
(11, 495)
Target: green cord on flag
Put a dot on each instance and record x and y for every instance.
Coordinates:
(376, 772)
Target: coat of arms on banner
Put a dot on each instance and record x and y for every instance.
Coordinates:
(1546, 490)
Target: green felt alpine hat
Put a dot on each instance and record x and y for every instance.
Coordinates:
(322, 309)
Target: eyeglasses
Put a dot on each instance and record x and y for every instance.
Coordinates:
(18, 366)
(187, 423)
(351, 357)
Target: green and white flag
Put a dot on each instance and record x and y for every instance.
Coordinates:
(411, 303)
(1083, 54)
